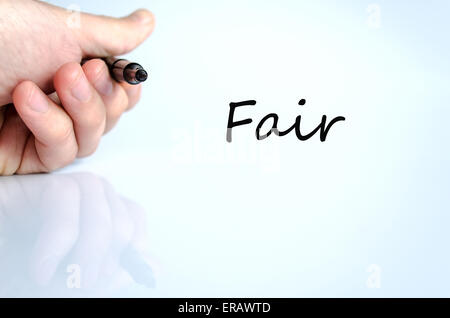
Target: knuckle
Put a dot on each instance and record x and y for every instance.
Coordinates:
(97, 68)
(67, 159)
(86, 152)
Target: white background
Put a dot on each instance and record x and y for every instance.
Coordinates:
(280, 217)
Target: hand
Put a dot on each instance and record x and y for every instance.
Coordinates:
(59, 109)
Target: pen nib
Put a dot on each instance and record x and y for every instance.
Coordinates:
(141, 75)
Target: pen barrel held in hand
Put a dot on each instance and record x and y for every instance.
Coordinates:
(125, 71)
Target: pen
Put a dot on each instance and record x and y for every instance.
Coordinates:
(123, 70)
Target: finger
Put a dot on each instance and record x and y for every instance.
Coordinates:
(53, 144)
(84, 106)
(106, 36)
(13, 137)
(113, 95)
(133, 93)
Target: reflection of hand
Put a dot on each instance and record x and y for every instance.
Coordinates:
(55, 223)
(41, 55)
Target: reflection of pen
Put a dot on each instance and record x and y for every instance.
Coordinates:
(125, 71)
(133, 262)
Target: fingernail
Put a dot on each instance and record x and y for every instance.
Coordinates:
(38, 101)
(81, 90)
(104, 84)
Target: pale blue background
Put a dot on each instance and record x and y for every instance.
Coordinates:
(304, 218)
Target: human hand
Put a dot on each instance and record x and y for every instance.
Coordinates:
(59, 109)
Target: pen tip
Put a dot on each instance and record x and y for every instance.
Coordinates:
(141, 75)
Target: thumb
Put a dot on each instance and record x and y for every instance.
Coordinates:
(100, 36)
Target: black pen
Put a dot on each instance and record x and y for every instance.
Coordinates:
(123, 70)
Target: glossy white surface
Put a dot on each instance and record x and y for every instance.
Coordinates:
(167, 208)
